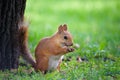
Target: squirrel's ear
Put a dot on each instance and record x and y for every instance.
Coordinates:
(60, 28)
(65, 27)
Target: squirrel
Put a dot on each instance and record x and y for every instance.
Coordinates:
(49, 52)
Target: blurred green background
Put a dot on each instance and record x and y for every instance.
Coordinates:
(93, 23)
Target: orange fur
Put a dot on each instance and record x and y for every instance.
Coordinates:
(49, 51)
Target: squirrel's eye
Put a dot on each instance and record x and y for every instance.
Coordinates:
(65, 37)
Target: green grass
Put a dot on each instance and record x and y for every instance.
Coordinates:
(95, 26)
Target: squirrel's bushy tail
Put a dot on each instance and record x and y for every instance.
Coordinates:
(23, 42)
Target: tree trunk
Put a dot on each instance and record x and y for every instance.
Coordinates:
(11, 13)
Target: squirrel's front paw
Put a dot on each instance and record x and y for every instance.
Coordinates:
(70, 49)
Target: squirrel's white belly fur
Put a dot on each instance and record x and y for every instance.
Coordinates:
(54, 61)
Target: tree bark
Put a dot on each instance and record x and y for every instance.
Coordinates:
(11, 13)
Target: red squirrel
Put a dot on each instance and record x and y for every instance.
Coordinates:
(49, 52)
